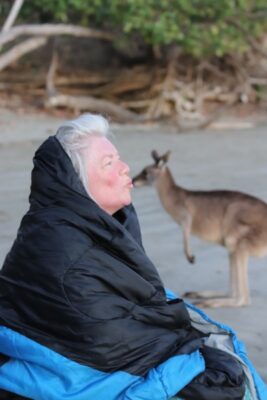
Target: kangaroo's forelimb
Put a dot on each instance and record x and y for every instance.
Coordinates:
(186, 229)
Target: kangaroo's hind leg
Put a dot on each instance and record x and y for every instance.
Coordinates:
(186, 230)
(239, 275)
(239, 295)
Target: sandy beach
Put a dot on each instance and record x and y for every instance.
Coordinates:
(225, 158)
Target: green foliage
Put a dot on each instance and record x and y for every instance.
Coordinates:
(199, 27)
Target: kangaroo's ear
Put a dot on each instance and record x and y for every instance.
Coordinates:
(165, 157)
(155, 156)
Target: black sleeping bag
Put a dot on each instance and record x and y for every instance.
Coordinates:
(78, 281)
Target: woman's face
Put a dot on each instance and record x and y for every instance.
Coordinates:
(108, 176)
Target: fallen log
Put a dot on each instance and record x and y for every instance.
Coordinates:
(93, 104)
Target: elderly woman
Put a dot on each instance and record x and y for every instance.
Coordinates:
(83, 311)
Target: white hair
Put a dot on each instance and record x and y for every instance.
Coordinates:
(73, 135)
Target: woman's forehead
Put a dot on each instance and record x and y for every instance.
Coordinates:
(102, 147)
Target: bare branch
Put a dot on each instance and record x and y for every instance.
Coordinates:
(52, 30)
(12, 15)
(209, 119)
(93, 104)
(50, 78)
(258, 81)
(19, 50)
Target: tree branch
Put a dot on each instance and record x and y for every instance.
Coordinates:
(12, 15)
(93, 104)
(50, 77)
(52, 30)
(19, 50)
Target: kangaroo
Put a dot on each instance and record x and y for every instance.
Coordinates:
(232, 219)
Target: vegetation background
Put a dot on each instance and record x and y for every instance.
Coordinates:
(184, 61)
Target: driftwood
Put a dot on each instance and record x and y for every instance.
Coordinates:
(135, 97)
(129, 80)
(50, 78)
(181, 93)
(55, 99)
(178, 92)
(80, 78)
(208, 120)
(92, 104)
(12, 15)
(258, 81)
(21, 49)
(40, 33)
(52, 30)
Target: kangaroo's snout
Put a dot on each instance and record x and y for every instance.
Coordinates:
(138, 181)
(151, 172)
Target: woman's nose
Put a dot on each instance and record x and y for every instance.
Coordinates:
(125, 169)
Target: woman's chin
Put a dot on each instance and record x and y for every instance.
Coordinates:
(128, 201)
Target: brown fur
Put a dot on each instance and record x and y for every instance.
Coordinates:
(233, 219)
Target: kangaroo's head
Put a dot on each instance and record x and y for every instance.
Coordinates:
(150, 173)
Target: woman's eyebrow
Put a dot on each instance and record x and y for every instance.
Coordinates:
(110, 155)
